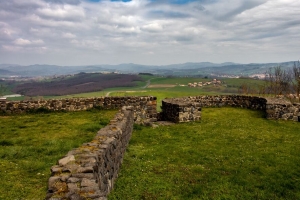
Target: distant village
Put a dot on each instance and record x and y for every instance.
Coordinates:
(201, 84)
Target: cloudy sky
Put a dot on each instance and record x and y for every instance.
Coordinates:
(80, 32)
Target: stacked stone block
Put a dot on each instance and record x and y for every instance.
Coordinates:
(282, 109)
(189, 108)
(90, 171)
(250, 102)
(175, 110)
(144, 107)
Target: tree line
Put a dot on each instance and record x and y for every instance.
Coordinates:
(278, 82)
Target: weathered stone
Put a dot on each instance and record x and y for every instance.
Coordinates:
(89, 169)
(295, 118)
(75, 196)
(52, 180)
(83, 175)
(73, 180)
(73, 187)
(66, 160)
(88, 183)
(56, 169)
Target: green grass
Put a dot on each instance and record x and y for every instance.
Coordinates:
(177, 80)
(230, 154)
(30, 144)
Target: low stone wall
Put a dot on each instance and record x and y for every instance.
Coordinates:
(250, 102)
(277, 108)
(89, 171)
(178, 110)
(144, 107)
(189, 108)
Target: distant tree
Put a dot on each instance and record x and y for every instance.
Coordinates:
(262, 89)
(296, 78)
(278, 81)
(244, 89)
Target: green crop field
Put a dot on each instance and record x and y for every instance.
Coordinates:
(30, 144)
(230, 154)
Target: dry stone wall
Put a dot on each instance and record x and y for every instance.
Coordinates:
(179, 110)
(250, 102)
(277, 108)
(144, 107)
(189, 108)
(89, 171)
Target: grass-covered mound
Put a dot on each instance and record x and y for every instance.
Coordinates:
(230, 154)
(31, 144)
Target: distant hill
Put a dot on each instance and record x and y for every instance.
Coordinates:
(47, 70)
(184, 69)
(5, 72)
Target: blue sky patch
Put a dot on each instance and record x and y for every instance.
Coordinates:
(121, 0)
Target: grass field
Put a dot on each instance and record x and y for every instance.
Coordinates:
(31, 144)
(230, 154)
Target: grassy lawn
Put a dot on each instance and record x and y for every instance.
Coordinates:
(230, 154)
(31, 144)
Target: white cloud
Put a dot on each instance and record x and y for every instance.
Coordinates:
(37, 42)
(62, 12)
(25, 42)
(153, 27)
(220, 30)
(11, 48)
(69, 35)
(21, 41)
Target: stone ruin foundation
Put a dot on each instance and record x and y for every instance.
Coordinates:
(89, 172)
